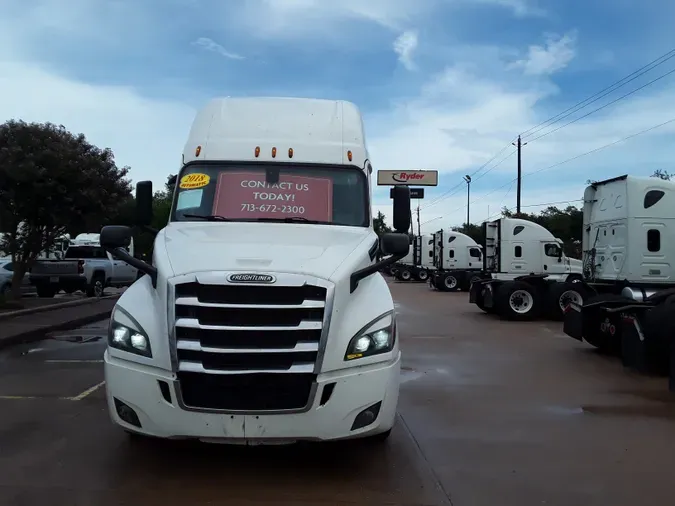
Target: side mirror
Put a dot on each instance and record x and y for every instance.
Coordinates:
(144, 203)
(395, 244)
(115, 236)
(401, 203)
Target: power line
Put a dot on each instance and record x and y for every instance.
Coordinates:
(609, 89)
(601, 147)
(460, 186)
(603, 106)
(641, 132)
(542, 204)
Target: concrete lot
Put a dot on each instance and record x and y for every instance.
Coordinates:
(491, 413)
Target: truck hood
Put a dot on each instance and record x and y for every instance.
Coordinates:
(316, 250)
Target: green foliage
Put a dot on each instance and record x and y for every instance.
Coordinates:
(662, 174)
(52, 181)
(473, 231)
(380, 225)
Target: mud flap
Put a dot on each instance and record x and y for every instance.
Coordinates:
(671, 379)
(474, 291)
(633, 346)
(573, 321)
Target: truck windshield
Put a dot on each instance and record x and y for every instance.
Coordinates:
(304, 193)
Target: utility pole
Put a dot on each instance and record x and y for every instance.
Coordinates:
(467, 178)
(519, 145)
(419, 230)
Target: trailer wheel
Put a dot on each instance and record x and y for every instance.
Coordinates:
(423, 275)
(450, 283)
(559, 295)
(518, 301)
(405, 275)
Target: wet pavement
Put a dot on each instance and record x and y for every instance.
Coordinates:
(491, 413)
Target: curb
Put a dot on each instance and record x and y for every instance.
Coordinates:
(38, 334)
(54, 307)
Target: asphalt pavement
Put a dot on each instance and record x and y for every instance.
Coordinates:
(491, 413)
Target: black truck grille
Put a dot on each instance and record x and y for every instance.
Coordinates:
(247, 348)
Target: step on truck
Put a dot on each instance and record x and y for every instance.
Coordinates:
(416, 265)
(629, 272)
(458, 261)
(263, 318)
(529, 275)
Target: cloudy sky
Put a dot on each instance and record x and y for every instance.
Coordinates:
(443, 84)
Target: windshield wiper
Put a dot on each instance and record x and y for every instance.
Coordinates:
(293, 219)
(209, 217)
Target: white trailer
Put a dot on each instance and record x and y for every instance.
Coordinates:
(416, 265)
(458, 261)
(629, 272)
(263, 317)
(529, 273)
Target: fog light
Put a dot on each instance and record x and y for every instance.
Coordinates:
(367, 416)
(126, 413)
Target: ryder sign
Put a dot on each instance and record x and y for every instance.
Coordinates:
(407, 177)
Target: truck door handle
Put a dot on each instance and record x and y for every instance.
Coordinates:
(545, 267)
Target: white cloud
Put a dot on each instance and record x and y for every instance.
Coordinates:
(146, 134)
(404, 46)
(555, 55)
(210, 45)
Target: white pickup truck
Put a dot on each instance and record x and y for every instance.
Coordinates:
(86, 266)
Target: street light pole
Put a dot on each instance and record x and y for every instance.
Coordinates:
(467, 178)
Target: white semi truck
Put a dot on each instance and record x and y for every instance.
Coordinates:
(263, 317)
(419, 261)
(529, 273)
(458, 261)
(629, 272)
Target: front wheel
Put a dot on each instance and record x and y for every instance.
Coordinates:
(518, 301)
(405, 275)
(450, 283)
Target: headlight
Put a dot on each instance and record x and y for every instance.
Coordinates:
(376, 338)
(126, 334)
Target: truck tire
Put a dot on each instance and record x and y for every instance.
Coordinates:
(45, 291)
(97, 286)
(559, 295)
(449, 283)
(574, 278)
(423, 275)
(602, 327)
(518, 301)
(405, 275)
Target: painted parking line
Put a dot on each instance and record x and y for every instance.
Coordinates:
(77, 397)
(87, 392)
(74, 361)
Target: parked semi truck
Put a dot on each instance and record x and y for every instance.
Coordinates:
(419, 261)
(629, 272)
(458, 261)
(263, 317)
(529, 273)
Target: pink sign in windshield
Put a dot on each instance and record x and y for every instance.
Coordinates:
(248, 195)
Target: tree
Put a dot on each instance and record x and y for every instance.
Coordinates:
(52, 181)
(662, 174)
(473, 231)
(380, 225)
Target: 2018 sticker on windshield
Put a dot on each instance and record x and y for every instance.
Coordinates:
(192, 181)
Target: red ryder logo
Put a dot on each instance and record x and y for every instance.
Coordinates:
(416, 177)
